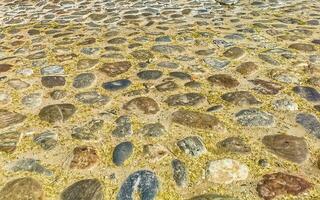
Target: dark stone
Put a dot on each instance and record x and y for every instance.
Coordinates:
(254, 117)
(234, 144)
(53, 81)
(266, 87)
(192, 145)
(117, 85)
(180, 174)
(87, 189)
(115, 68)
(187, 99)
(307, 93)
(145, 105)
(240, 98)
(57, 112)
(122, 152)
(149, 74)
(223, 80)
(310, 123)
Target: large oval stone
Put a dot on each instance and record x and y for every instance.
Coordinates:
(57, 112)
(146, 105)
(87, 189)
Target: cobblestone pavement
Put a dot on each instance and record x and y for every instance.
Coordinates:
(168, 100)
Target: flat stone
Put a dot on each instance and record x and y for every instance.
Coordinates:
(247, 68)
(167, 86)
(167, 49)
(196, 120)
(92, 97)
(284, 104)
(277, 184)
(180, 75)
(266, 87)
(254, 117)
(310, 123)
(88, 131)
(18, 84)
(144, 105)
(30, 165)
(83, 80)
(193, 84)
(57, 112)
(149, 74)
(228, 2)
(47, 140)
(223, 80)
(123, 128)
(58, 94)
(234, 53)
(187, 99)
(87, 64)
(167, 64)
(5, 67)
(216, 63)
(86, 189)
(52, 70)
(144, 55)
(180, 173)
(115, 68)
(117, 85)
(288, 147)
(302, 47)
(240, 98)
(32, 100)
(144, 181)
(155, 152)
(308, 93)
(234, 144)
(212, 197)
(84, 157)
(22, 189)
(192, 146)
(53, 81)
(226, 171)
(9, 141)
(153, 130)
(122, 152)
(8, 118)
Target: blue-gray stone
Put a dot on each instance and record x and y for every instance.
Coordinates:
(31, 165)
(163, 39)
(216, 63)
(310, 123)
(122, 152)
(149, 74)
(179, 173)
(254, 117)
(117, 85)
(144, 181)
(308, 93)
(52, 70)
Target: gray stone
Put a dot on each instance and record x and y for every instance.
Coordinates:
(123, 127)
(31, 165)
(180, 174)
(57, 112)
(92, 97)
(122, 152)
(153, 130)
(47, 140)
(310, 123)
(254, 117)
(87, 189)
(84, 80)
(187, 99)
(192, 146)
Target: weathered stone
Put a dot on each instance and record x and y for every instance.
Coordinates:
(167, 86)
(5, 67)
(223, 80)
(47, 140)
(142, 55)
(254, 117)
(240, 98)
(192, 145)
(302, 47)
(31, 165)
(92, 97)
(310, 123)
(247, 68)
(86, 64)
(9, 141)
(180, 174)
(18, 84)
(22, 189)
(167, 49)
(308, 93)
(196, 120)
(32, 100)
(8, 118)
(57, 112)
(212, 197)
(285, 104)
(123, 127)
(234, 144)
(53, 81)
(88, 131)
(149, 74)
(84, 157)
(145, 105)
(153, 130)
(83, 80)
(234, 53)
(187, 99)
(87, 189)
(58, 94)
(155, 152)
(277, 184)
(266, 87)
(115, 68)
(122, 152)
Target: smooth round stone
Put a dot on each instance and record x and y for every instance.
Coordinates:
(180, 173)
(289, 147)
(284, 104)
(232, 171)
(247, 68)
(84, 157)
(187, 99)
(117, 40)
(144, 105)
(84, 80)
(122, 152)
(52, 70)
(234, 53)
(87, 189)
(47, 140)
(302, 47)
(205, 52)
(167, 86)
(22, 189)
(180, 75)
(117, 85)
(58, 94)
(53, 81)
(153, 130)
(254, 117)
(167, 64)
(57, 112)
(4, 98)
(234, 144)
(144, 181)
(277, 184)
(149, 74)
(92, 97)
(144, 55)
(308, 93)
(32, 100)
(18, 84)
(192, 146)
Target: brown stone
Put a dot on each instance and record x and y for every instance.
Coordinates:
(247, 68)
(223, 80)
(266, 87)
(302, 47)
(5, 67)
(234, 53)
(9, 141)
(196, 120)
(87, 189)
(8, 118)
(115, 68)
(84, 157)
(288, 147)
(57, 112)
(280, 183)
(145, 105)
(240, 98)
(22, 189)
